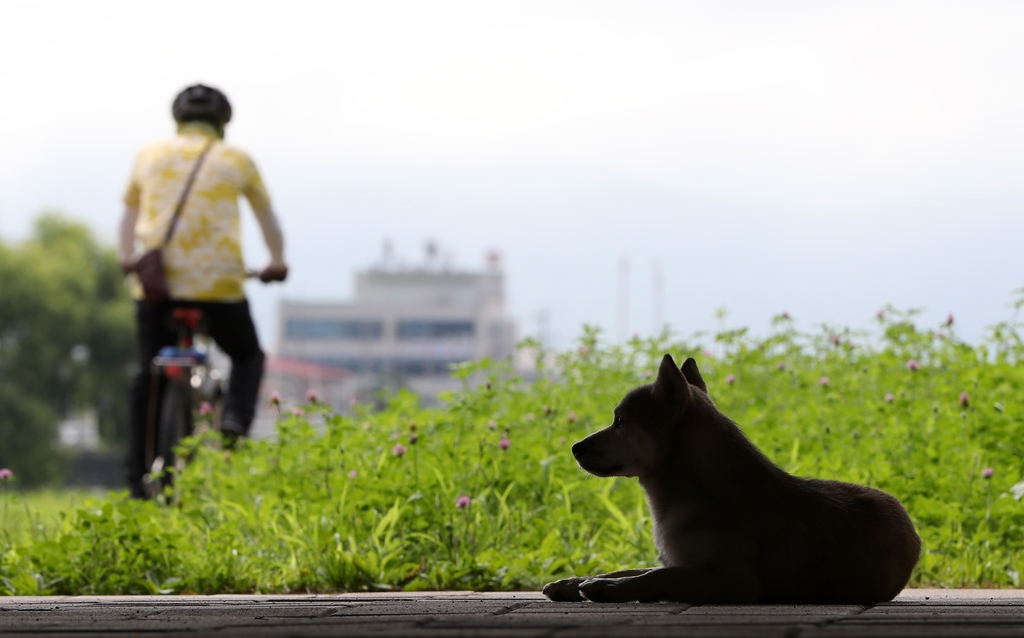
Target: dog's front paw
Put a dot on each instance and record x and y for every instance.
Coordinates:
(566, 590)
(603, 590)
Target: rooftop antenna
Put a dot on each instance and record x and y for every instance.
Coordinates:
(494, 260)
(388, 254)
(432, 254)
(544, 327)
(623, 298)
(657, 298)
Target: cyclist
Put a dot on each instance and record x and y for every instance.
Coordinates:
(203, 259)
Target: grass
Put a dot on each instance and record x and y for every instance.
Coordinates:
(378, 500)
(22, 511)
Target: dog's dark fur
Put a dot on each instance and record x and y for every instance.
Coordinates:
(730, 525)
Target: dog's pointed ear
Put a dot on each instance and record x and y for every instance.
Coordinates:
(671, 386)
(692, 374)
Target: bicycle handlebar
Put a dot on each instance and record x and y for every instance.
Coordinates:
(271, 276)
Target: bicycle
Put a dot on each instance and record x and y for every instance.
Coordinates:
(192, 379)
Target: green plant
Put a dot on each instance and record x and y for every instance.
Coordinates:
(413, 498)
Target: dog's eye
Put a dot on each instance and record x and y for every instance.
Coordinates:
(618, 421)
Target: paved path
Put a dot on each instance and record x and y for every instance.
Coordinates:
(922, 612)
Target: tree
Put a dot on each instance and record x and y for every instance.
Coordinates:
(66, 343)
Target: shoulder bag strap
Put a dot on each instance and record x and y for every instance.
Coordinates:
(184, 195)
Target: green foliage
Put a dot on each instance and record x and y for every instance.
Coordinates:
(333, 506)
(65, 342)
(23, 510)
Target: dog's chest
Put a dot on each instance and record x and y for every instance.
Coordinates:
(670, 537)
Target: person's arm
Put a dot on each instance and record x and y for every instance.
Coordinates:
(258, 198)
(126, 245)
(271, 235)
(132, 199)
(277, 270)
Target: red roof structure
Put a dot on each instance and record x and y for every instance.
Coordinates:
(305, 370)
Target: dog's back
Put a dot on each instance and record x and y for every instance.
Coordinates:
(834, 542)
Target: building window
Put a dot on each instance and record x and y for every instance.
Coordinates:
(428, 329)
(353, 329)
(404, 367)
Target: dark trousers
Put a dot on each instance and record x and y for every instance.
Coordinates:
(230, 325)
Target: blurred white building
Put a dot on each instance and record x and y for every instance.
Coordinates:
(405, 327)
(80, 432)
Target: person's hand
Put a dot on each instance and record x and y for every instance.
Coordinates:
(274, 272)
(128, 265)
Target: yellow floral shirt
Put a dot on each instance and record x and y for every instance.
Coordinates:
(204, 257)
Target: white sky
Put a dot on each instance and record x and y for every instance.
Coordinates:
(822, 158)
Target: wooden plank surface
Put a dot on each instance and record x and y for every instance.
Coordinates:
(931, 613)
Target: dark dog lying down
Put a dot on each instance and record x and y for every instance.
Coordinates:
(730, 525)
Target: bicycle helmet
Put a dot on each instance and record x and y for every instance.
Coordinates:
(200, 102)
